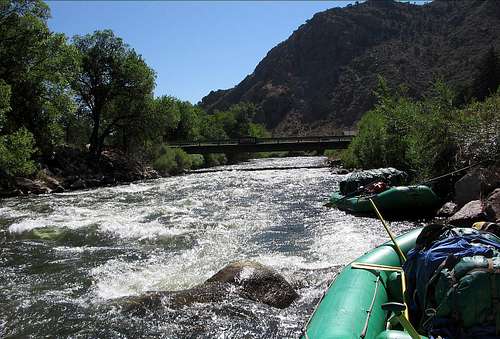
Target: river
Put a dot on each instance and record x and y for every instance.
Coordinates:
(65, 258)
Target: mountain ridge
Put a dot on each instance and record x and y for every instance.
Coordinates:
(322, 77)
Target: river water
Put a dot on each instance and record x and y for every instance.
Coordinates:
(66, 258)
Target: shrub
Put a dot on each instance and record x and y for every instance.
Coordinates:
(332, 153)
(197, 161)
(172, 160)
(215, 159)
(479, 137)
(16, 150)
(427, 137)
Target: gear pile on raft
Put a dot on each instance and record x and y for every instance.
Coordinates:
(439, 281)
(433, 282)
(386, 188)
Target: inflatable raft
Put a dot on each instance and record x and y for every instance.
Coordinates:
(352, 306)
(400, 199)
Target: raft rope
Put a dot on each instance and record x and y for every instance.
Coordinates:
(458, 170)
(370, 310)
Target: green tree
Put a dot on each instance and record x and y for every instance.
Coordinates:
(258, 131)
(5, 93)
(16, 148)
(37, 65)
(113, 86)
(225, 120)
(236, 122)
(244, 113)
(478, 137)
(423, 136)
(213, 127)
(190, 122)
(167, 115)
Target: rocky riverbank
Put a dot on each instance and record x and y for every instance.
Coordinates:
(476, 197)
(70, 169)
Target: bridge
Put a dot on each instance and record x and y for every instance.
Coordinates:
(252, 145)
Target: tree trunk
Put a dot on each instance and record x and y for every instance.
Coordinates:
(95, 148)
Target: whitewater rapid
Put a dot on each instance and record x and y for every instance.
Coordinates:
(65, 258)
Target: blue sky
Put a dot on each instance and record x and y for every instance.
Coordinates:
(194, 47)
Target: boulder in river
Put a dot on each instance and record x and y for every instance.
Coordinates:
(246, 279)
(78, 184)
(257, 282)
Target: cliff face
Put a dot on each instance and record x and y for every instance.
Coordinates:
(322, 77)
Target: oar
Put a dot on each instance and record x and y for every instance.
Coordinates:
(398, 249)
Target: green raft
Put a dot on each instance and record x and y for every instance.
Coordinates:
(415, 199)
(351, 308)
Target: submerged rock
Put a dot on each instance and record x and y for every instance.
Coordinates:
(245, 279)
(87, 235)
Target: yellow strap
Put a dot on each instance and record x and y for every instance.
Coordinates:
(368, 266)
(403, 289)
(398, 249)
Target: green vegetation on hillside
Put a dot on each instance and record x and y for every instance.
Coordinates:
(427, 137)
(93, 92)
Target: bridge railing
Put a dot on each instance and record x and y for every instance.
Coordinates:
(256, 141)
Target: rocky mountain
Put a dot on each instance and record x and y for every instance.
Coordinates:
(322, 77)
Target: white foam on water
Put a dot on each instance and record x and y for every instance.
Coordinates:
(275, 217)
(282, 262)
(132, 228)
(119, 278)
(83, 249)
(246, 273)
(24, 226)
(8, 212)
(218, 245)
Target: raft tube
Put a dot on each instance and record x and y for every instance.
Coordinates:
(351, 308)
(414, 199)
